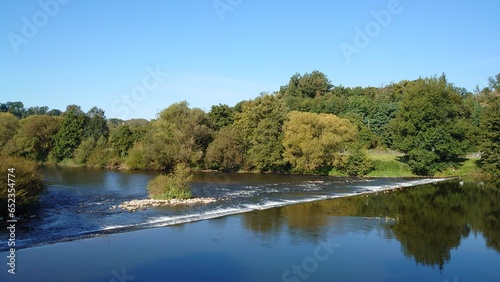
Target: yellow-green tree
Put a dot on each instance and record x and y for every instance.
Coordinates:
(8, 127)
(28, 183)
(35, 137)
(316, 141)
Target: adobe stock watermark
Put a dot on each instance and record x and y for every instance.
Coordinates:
(310, 264)
(223, 6)
(364, 36)
(31, 26)
(151, 81)
(121, 277)
(454, 280)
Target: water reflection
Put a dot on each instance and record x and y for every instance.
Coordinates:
(429, 220)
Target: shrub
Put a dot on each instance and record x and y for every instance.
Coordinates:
(28, 182)
(136, 157)
(358, 163)
(174, 185)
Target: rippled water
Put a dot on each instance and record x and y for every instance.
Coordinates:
(78, 202)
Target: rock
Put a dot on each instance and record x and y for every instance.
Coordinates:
(143, 204)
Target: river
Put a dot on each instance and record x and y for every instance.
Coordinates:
(437, 227)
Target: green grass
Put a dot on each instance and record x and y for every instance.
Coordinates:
(467, 168)
(388, 164)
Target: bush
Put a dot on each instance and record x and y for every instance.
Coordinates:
(423, 162)
(28, 182)
(358, 163)
(174, 185)
(135, 158)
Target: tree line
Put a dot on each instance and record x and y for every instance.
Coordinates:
(307, 126)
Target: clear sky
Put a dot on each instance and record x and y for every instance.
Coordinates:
(135, 58)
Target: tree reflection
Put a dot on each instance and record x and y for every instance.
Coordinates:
(431, 220)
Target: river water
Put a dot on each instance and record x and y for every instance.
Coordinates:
(263, 228)
(79, 202)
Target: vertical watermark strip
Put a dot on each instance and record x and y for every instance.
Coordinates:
(11, 208)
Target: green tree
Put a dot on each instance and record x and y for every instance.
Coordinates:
(123, 136)
(35, 137)
(430, 126)
(70, 133)
(300, 90)
(122, 139)
(220, 116)
(96, 125)
(137, 157)
(314, 142)
(101, 154)
(180, 134)
(225, 152)
(8, 127)
(37, 111)
(84, 150)
(259, 128)
(490, 141)
(358, 163)
(15, 108)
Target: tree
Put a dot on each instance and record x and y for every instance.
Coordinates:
(70, 133)
(8, 127)
(121, 140)
(301, 88)
(316, 141)
(259, 128)
(220, 116)
(15, 108)
(101, 154)
(494, 83)
(430, 126)
(490, 142)
(180, 134)
(225, 152)
(96, 125)
(35, 137)
(309, 85)
(84, 150)
(37, 110)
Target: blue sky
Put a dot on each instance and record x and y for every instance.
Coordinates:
(135, 58)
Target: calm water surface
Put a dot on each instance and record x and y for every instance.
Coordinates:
(281, 228)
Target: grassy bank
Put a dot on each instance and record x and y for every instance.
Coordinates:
(390, 164)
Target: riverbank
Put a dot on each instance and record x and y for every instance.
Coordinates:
(386, 163)
(389, 163)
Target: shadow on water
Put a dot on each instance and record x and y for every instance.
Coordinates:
(429, 220)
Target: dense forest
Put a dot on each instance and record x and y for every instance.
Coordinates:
(307, 126)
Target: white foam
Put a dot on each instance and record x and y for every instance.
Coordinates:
(410, 183)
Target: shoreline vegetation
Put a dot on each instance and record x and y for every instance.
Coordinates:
(422, 127)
